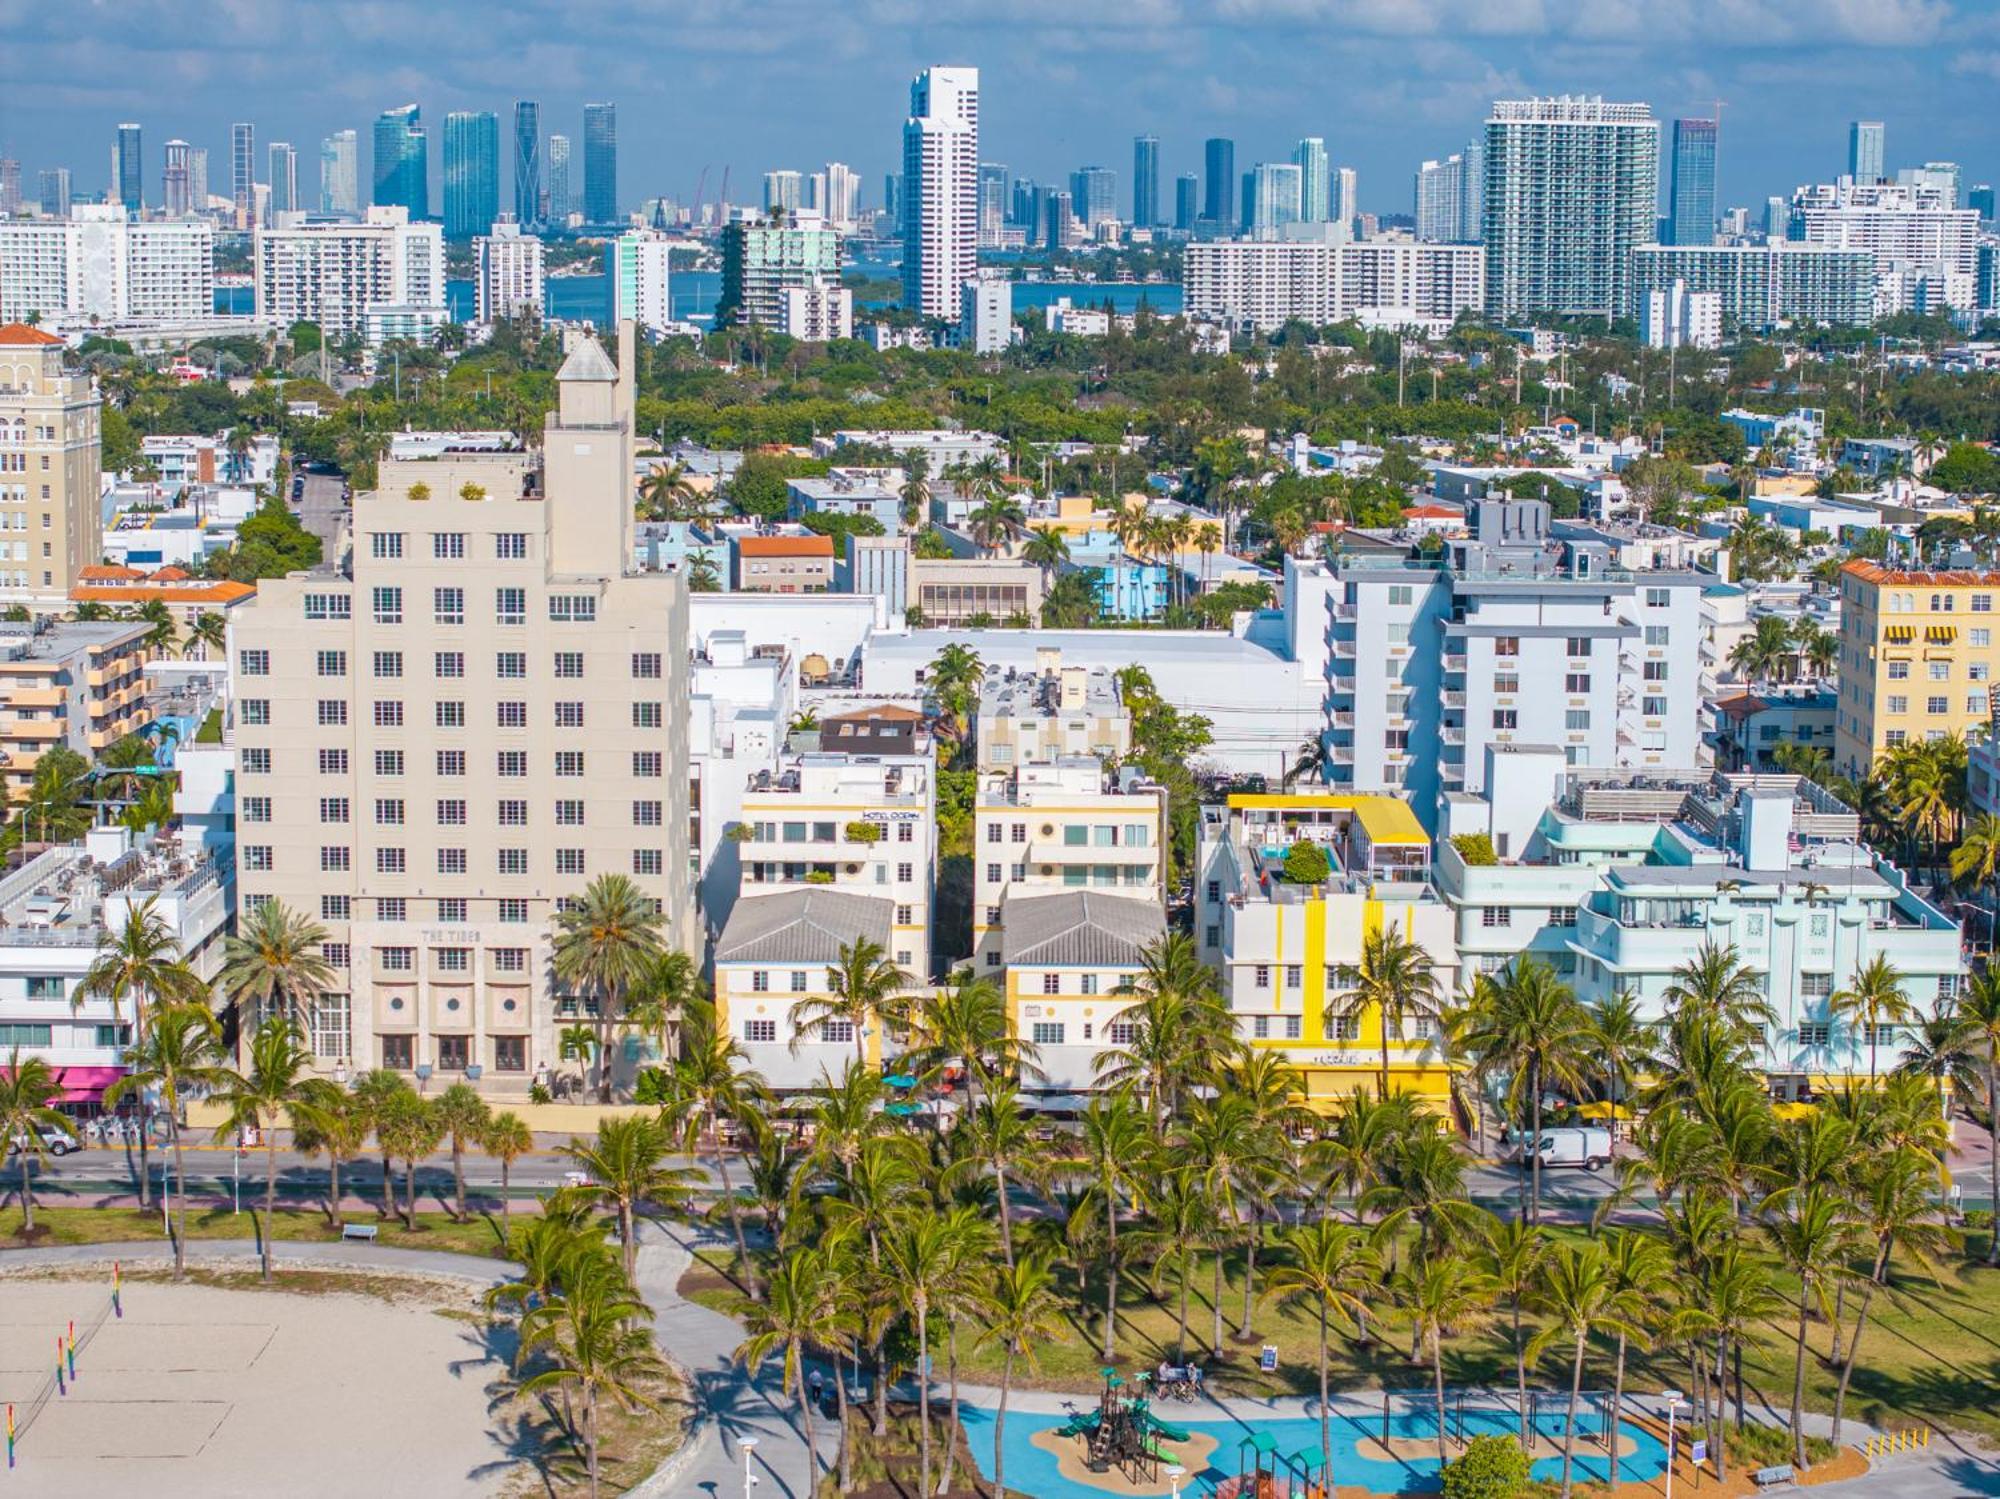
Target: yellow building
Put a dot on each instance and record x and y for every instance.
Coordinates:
(50, 528)
(1071, 959)
(1917, 658)
(80, 685)
(1285, 948)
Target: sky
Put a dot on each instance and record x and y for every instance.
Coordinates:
(760, 84)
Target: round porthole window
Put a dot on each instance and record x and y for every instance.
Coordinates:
(395, 1004)
(451, 1004)
(509, 1005)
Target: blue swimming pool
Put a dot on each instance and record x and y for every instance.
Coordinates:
(1032, 1470)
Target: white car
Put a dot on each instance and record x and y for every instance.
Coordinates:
(54, 1141)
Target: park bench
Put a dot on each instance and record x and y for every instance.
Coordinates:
(364, 1231)
(1766, 1478)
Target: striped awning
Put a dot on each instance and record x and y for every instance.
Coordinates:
(1899, 634)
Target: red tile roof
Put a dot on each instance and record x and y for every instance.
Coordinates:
(21, 333)
(785, 546)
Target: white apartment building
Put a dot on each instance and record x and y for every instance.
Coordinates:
(334, 273)
(740, 708)
(1264, 283)
(1061, 825)
(1050, 712)
(483, 714)
(57, 913)
(1924, 248)
(1765, 286)
(861, 824)
(1506, 641)
(1674, 317)
(817, 313)
(940, 190)
(507, 274)
(640, 265)
(98, 263)
(1624, 877)
(986, 315)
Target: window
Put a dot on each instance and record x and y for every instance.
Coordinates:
(255, 711)
(569, 861)
(388, 713)
(510, 1053)
(1505, 683)
(1898, 703)
(449, 664)
(1262, 976)
(452, 909)
(19, 1034)
(337, 954)
(1815, 985)
(510, 606)
(513, 911)
(392, 908)
(511, 764)
(385, 546)
(256, 762)
(333, 859)
(1937, 705)
(569, 762)
(399, 1053)
(647, 861)
(1048, 1032)
(1982, 603)
(1815, 1033)
(388, 762)
(1347, 1028)
(572, 608)
(513, 814)
(511, 715)
(1576, 682)
(646, 665)
(1506, 645)
(1899, 671)
(451, 861)
(645, 814)
(450, 715)
(1659, 598)
(511, 546)
(1491, 916)
(838, 1030)
(451, 813)
(1656, 634)
(760, 1031)
(329, 606)
(454, 1052)
(448, 605)
(1940, 671)
(1981, 636)
(254, 663)
(454, 959)
(646, 763)
(257, 858)
(514, 861)
(646, 715)
(255, 808)
(388, 603)
(1578, 645)
(390, 861)
(1506, 718)
(447, 546)
(569, 715)
(569, 813)
(333, 809)
(1576, 719)
(1653, 707)
(510, 665)
(569, 665)
(1654, 671)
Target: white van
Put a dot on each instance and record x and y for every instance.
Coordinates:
(1586, 1147)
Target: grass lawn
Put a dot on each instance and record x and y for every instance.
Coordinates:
(60, 1225)
(1931, 1352)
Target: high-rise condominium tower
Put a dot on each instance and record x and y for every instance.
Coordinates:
(402, 161)
(527, 162)
(1219, 185)
(940, 190)
(128, 166)
(1691, 189)
(177, 194)
(1094, 191)
(284, 178)
(1572, 186)
(561, 200)
(1187, 200)
(243, 173)
(54, 192)
(1867, 159)
(340, 174)
(993, 188)
(600, 163)
(1440, 195)
(1346, 205)
(471, 173)
(1315, 188)
(1276, 197)
(1145, 181)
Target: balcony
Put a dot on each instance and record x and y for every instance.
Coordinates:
(1452, 734)
(1454, 698)
(1454, 661)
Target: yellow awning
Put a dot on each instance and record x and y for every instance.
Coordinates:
(1605, 1110)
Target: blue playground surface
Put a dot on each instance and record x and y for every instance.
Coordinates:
(1033, 1471)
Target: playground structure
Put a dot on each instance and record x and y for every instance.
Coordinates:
(1123, 1434)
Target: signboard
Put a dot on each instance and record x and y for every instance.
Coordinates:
(1698, 1453)
(1268, 1359)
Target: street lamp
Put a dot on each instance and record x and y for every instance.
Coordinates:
(749, 1446)
(1175, 1472)
(1673, 1402)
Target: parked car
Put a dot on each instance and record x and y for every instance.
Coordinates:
(54, 1141)
(1585, 1147)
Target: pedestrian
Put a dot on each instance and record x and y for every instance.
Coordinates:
(814, 1381)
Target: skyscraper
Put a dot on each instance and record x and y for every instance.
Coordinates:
(600, 163)
(527, 162)
(1346, 205)
(993, 186)
(54, 192)
(940, 190)
(1691, 190)
(198, 178)
(1439, 196)
(1093, 193)
(128, 159)
(1472, 199)
(10, 185)
(1572, 186)
(1315, 201)
(284, 178)
(340, 175)
(1219, 162)
(471, 173)
(561, 199)
(402, 161)
(1145, 181)
(1058, 218)
(1187, 200)
(176, 194)
(892, 198)
(781, 192)
(1867, 158)
(243, 172)
(843, 194)
(1276, 198)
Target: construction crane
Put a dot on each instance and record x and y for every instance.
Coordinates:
(722, 198)
(701, 184)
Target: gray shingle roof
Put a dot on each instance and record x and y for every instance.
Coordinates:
(802, 926)
(1080, 928)
(588, 361)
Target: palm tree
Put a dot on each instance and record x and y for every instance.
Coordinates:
(1813, 1232)
(967, 1022)
(270, 1088)
(1873, 998)
(954, 678)
(159, 616)
(1048, 549)
(1641, 1267)
(711, 1081)
(1443, 1294)
(1622, 1046)
(1530, 1024)
(666, 493)
(273, 966)
(1899, 1212)
(1117, 1143)
(1180, 1219)
(210, 632)
(1513, 1259)
(1395, 983)
(407, 1128)
(181, 1053)
(920, 1253)
(796, 1313)
(1582, 1294)
(607, 941)
(376, 1096)
(507, 1138)
(464, 1117)
(994, 1134)
(1717, 981)
(597, 1333)
(335, 1121)
(995, 520)
(861, 985)
(1977, 857)
(1979, 1010)
(1177, 1031)
(141, 966)
(627, 1166)
(1023, 1313)
(26, 1089)
(1332, 1267)
(916, 490)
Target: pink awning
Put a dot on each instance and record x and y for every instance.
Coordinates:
(85, 1084)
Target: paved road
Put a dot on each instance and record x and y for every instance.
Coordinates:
(322, 511)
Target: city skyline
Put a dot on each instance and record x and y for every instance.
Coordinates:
(1425, 74)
